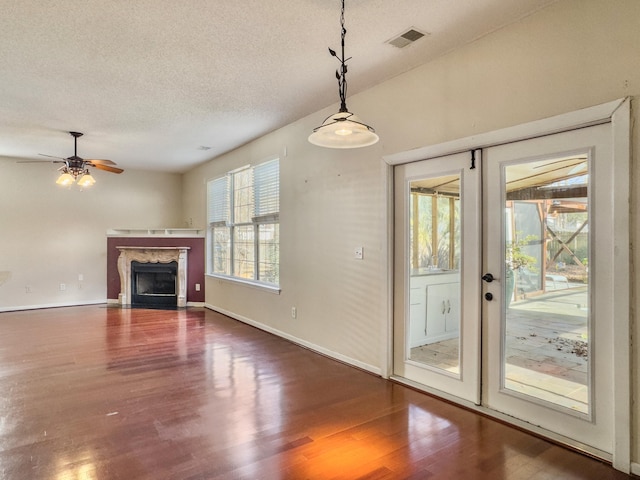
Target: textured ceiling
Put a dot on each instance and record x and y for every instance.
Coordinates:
(151, 82)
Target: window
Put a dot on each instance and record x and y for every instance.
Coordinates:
(435, 226)
(244, 233)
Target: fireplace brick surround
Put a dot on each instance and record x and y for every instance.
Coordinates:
(195, 246)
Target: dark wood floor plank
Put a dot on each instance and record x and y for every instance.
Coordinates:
(108, 393)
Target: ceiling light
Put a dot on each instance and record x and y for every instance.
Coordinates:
(69, 176)
(86, 180)
(343, 129)
(75, 167)
(65, 179)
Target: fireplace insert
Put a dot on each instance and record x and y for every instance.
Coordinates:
(154, 284)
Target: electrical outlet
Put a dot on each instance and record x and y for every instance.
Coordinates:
(359, 253)
(197, 287)
(294, 312)
(63, 287)
(27, 289)
(80, 277)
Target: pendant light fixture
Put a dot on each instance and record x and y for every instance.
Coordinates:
(343, 129)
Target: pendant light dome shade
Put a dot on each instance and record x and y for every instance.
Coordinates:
(343, 130)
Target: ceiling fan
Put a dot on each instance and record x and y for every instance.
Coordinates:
(76, 166)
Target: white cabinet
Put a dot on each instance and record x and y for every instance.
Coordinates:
(443, 311)
(434, 308)
(417, 315)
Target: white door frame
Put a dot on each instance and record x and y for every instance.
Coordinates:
(618, 113)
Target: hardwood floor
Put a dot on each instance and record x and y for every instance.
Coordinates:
(109, 393)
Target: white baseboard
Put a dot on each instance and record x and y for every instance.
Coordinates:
(298, 341)
(635, 468)
(52, 305)
(115, 301)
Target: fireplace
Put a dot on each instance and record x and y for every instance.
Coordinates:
(153, 275)
(154, 284)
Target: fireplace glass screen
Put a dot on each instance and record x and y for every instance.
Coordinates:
(154, 283)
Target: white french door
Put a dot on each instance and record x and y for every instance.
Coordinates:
(437, 264)
(548, 344)
(508, 286)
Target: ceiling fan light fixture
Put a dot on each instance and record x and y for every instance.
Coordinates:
(65, 179)
(86, 180)
(343, 129)
(76, 169)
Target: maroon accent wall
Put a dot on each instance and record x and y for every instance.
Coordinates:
(195, 261)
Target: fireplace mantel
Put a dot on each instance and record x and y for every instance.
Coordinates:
(151, 255)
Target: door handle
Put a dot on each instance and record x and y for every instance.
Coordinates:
(487, 277)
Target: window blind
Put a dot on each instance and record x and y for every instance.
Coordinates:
(218, 201)
(266, 189)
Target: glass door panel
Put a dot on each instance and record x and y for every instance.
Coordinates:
(434, 243)
(546, 292)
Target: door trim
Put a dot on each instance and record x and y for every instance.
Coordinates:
(618, 113)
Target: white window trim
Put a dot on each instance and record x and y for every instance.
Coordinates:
(256, 221)
(245, 281)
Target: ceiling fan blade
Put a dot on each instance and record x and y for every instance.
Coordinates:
(94, 161)
(40, 161)
(107, 168)
(51, 156)
(78, 165)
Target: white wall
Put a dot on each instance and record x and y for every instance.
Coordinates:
(571, 55)
(331, 203)
(51, 234)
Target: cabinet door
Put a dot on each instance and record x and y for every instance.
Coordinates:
(442, 310)
(418, 310)
(452, 320)
(436, 309)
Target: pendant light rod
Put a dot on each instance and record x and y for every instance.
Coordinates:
(341, 73)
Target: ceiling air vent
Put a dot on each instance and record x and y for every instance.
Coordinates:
(406, 38)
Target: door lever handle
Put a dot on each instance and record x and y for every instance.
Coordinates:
(487, 277)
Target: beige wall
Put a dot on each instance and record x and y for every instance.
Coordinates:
(50, 234)
(571, 55)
